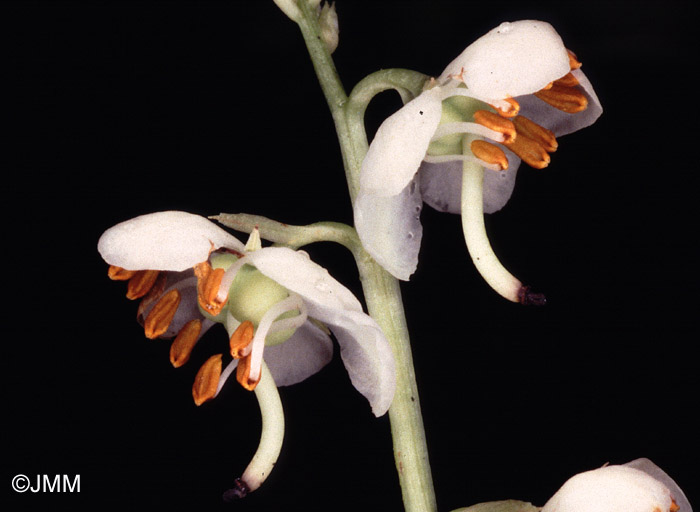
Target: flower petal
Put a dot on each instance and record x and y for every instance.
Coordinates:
(390, 229)
(513, 59)
(366, 355)
(562, 123)
(400, 144)
(296, 272)
(441, 185)
(169, 240)
(304, 354)
(611, 489)
(659, 474)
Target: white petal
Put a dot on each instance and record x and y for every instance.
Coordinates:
(560, 122)
(390, 229)
(511, 60)
(296, 272)
(611, 489)
(169, 240)
(441, 185)
(304, 354)
(400, 144)
(652, 469)
(366, 354)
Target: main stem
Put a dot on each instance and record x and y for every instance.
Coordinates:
(382, 294)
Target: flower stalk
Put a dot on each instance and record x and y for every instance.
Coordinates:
(381, 290)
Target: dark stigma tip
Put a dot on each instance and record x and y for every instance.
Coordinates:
(529, 298)
(239, 490)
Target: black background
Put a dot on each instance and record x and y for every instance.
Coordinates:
(115, 109)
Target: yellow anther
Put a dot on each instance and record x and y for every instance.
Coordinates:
(566, 99)
(208, 282)
(573, 60)
(243, 374)
(496, 123)
(207, 380)
(141, 283)
(568, 80)
(161, 314)
(489, 153)
(240, 339)
(530, 151)
(184, 342)
(538, 133)
(119, 274)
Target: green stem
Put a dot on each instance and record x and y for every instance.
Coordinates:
(382, 291)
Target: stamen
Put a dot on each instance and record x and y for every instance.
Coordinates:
(160, 316)
(489, 153)
(566, 99)
(228, 278)
(538, 133)
(530, 151)
(240, 340)
(208, 283)
(573, 60)
(243, 374)
(141, 283)
(232, 365)
(119, 274)
(674, 506)
(568, 80)
(437, 159)
(207, 380)
(473, 128)
(507, 107)
(496, 123)
(184, 342)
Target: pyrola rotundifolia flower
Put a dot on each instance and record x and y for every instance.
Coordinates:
(639, 486)
(503, 100)
(190, 274)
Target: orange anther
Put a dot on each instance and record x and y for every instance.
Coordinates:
(489, 153)
(674, 506)
(140, 284)
(208, 282)
(566, 99)
(530, 151)
(159, 318)
(573, 60)
(241, 338)
(207, 380)
(496, 123)
(243, 374)
(538, 133)
(184, 342)
(568, 80)
(119, 274)
(512, 110)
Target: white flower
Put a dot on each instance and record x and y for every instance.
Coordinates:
(190, 274)
(505, 98)
(639, 486)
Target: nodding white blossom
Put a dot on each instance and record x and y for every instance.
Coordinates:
(504, 99)
(190, 274)
(638, 486)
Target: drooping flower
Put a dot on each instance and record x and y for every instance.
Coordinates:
(638, 486)
(275, 302)
(505, 98)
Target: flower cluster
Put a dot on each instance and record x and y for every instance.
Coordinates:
(275, 302)
(502, 100)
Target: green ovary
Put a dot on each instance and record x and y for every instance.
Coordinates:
(252, 294)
